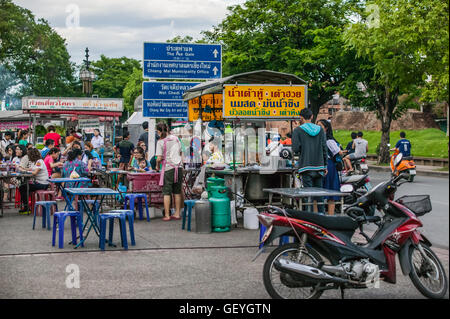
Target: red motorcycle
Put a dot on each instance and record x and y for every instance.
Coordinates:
(325, 257)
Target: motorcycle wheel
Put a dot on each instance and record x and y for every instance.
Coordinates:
(428, 277)
(281, 285)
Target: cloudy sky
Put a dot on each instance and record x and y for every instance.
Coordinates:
(118, 28)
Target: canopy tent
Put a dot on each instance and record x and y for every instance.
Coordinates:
(253, 77)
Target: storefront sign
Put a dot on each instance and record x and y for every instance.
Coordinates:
(212, 106)
(13, 126)
(264, 101)
(71, 104)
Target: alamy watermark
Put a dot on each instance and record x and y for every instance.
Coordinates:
(73, 277)
(73, 19)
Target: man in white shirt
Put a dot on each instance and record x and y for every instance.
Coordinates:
(7, 140)
(361, 147)
(168, 153)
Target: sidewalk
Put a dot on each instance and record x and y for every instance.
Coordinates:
(422, 170)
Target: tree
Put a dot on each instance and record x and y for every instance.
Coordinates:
(112, 75)
(34, 53)
(389, 41)
(296, 36)
(132, 89)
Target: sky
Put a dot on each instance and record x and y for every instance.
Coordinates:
(119, 28)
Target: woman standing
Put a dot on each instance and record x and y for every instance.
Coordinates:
(168, 152)
(97, 141)
(23, 138)
(40, 174)
(331, 180)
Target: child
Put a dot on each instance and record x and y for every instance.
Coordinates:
(142, 165)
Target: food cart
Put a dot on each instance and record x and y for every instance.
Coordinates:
(87, 113)
(249, 100)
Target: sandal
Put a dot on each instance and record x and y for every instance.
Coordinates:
(166, 219)
(175, 218)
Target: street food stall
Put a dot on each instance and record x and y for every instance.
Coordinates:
(82, 112)
(246, 102)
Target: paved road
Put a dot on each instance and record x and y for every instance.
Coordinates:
(436, 223)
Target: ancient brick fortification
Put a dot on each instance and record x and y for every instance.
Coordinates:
(367, 121)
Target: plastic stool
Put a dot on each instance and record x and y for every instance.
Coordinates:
(131, 198)
(189, 203)
(262, 230)
(130, 216)
(123, 231)
(76, 219)
(42, 195)
(46, 212)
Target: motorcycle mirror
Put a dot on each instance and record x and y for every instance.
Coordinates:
(398, 159)
(346, 188)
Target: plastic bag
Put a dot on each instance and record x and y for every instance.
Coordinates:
(74, 174)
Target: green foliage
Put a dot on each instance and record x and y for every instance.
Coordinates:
(425, 143)
(34, 53)
(132, 89)
(112, 75)
(298, 36)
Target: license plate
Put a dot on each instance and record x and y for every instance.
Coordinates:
(364, 166)
(267, 234)
(412, 172)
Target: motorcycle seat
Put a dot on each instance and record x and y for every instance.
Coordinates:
(408, 158)
(357, 158)
(352, 178)
(329, 222)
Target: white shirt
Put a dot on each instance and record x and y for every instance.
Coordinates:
(97, 141)
(173, 151)
(42, 176)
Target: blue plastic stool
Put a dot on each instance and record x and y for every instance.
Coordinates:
(130, 217)
(131, 198)
(262, 230)
(76, 219)
(189, 203)
(46, 212)
(123, 230)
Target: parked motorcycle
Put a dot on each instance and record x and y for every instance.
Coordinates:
(324, 256)
(359, 186)
(402, 164)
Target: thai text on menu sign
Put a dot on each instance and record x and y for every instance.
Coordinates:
(264, 101)
(182, 61)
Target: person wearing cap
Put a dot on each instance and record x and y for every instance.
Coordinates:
(273, 149)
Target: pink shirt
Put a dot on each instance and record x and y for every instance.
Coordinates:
(48, 160)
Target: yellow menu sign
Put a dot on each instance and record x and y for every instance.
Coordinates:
(264, 101)
(211, 108)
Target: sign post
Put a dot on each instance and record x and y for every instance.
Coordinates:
(182, 61)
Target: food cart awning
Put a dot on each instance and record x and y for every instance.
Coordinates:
(254, 77)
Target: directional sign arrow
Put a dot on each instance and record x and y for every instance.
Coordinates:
(215, 70)
(215, 52)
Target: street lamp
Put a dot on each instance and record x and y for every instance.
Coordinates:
(87, 76)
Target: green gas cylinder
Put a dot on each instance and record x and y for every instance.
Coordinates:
(213, 181)
(220, 207)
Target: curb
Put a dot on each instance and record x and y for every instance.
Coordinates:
(419, 172)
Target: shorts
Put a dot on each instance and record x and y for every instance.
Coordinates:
(169, 186)
(353, 156)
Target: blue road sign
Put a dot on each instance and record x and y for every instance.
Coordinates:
(165, 99)
(182, 61)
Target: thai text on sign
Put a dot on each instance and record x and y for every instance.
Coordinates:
(264, 101)
(212, 105)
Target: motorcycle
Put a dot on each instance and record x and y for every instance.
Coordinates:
(324, 256)
(401, 164)
(360, 166)
(358, 185)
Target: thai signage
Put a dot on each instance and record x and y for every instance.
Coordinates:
(71, 104)
(212, 105)
(14, 125)
(264, 101)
